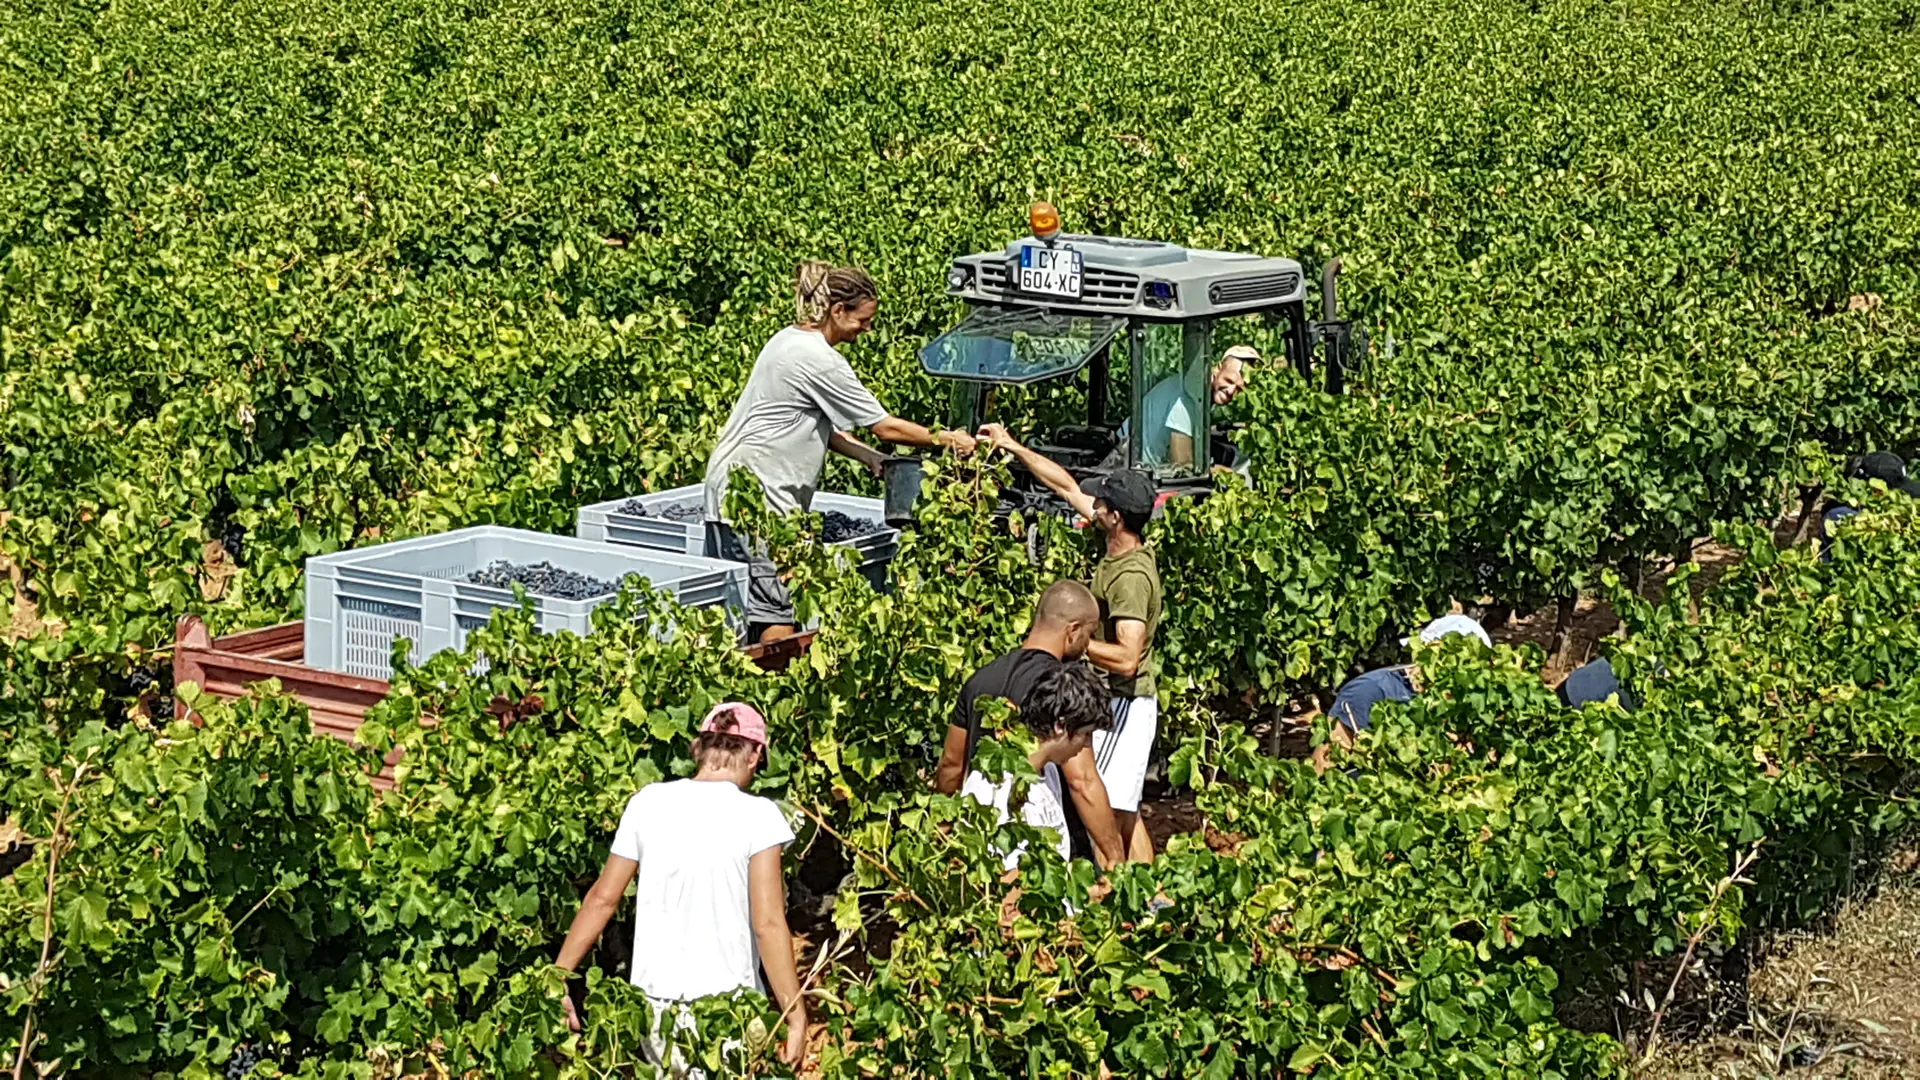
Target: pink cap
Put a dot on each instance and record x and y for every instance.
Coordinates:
(737, 718)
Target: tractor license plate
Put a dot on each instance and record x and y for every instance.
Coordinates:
(1050, 271)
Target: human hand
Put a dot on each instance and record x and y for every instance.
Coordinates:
(958, 441)
(573, 1016)
(874, 466)
(794, 1052)
(998, 435)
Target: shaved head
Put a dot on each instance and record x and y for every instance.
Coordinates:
(1066, 601)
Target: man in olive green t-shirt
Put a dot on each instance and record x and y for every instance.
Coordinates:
(1127, 585)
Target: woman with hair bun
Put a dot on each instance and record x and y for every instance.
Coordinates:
(801, 400)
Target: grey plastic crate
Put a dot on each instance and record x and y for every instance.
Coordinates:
(360, 601)
(606, 522)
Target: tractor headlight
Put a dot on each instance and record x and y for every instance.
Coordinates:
(1160, 294)
(959, 277)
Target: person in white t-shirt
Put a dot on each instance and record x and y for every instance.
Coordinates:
(801, 400)
(1063, 710)
(710, 909)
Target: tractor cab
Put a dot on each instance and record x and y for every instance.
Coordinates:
(1147, 322)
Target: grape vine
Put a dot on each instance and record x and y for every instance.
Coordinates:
(281, 279)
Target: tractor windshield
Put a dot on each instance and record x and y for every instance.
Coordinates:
(1018, 345)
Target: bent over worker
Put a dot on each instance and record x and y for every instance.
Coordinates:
(1352, 709)
(711, 907)
(1065, 707)
(1890, 469)
(1126, 584)
(1063, 626)
(801, 400)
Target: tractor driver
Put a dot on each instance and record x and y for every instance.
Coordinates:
(801, 400)
(1172, 421)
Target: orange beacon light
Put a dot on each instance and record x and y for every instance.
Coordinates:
(1044, 220)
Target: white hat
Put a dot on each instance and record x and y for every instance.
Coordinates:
(1246, 353)
(1455, 624)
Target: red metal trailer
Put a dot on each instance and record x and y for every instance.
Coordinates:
(226, 666)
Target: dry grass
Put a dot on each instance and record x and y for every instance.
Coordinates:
(1844, 1002)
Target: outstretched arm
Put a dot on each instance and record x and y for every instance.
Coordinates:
(846, 445)
(907, 433)
(1043, 468)
(767, 895)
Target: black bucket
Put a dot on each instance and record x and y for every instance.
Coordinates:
(901, 475)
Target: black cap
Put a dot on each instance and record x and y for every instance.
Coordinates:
(1887, 468)
(1129, 491)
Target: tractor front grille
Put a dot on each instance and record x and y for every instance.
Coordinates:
(1099, 287)
(1109, 288)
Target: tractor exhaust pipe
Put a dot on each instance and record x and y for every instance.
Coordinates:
(1329, 307)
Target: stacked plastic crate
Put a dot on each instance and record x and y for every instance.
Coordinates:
(671, 521)
(360, 602)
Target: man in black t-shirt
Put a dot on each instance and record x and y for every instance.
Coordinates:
(1063, 623)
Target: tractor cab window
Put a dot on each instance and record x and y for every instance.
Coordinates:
(1172, 400)
(1017, 345)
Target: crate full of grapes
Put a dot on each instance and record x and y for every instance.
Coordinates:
(434, 590)
(674, 520)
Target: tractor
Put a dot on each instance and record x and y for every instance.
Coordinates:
(1052, 304)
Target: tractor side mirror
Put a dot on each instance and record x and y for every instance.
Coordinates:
(1346, 341)
(1346, 350)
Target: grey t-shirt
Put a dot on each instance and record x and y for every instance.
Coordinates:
(801, 391)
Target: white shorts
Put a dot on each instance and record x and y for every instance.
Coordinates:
(671, 1061)
(1122, 753)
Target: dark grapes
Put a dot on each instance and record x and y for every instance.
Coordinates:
(681, 512)
(234, 538)
(836, 526)
(542, 579)
(148, 686)
(245, 1057)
